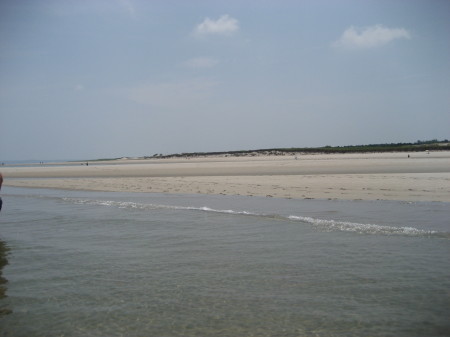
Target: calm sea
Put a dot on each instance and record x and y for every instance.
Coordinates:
(115, 264)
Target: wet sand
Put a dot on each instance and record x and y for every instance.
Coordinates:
(386, 176)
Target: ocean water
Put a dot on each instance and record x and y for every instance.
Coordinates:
(116, 264)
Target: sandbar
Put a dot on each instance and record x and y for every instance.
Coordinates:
(363, 176)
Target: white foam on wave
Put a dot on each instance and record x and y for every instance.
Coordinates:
(118, 204)
(322, 224)
(361, 228)
(225, 211)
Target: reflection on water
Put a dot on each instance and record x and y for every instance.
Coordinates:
(3, 262)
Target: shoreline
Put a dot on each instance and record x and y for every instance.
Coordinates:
(367, 176)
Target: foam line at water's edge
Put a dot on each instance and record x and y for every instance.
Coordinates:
(322, 224)
(362, 228)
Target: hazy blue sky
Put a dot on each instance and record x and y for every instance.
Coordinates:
(86, 79)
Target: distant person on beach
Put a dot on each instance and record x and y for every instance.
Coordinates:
(1, 182)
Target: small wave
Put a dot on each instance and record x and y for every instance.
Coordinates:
(322, 224)
(224, 211)
(362, 228)
(118, 204)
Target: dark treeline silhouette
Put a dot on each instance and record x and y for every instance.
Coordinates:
(429, 145)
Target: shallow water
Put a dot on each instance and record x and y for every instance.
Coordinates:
(115, 264)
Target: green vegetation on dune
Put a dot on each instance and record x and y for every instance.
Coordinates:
(420, 145)
(430, 145)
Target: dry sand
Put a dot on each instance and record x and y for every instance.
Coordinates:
(386, 176)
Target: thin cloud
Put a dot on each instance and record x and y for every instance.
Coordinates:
(225, 25)
(201, 62)
(370, 37)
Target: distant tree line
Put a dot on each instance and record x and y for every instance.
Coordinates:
(433, 141)
(420, 145)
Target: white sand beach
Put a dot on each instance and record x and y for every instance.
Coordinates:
(363, 176)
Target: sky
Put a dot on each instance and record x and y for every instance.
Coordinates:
(86, 79)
